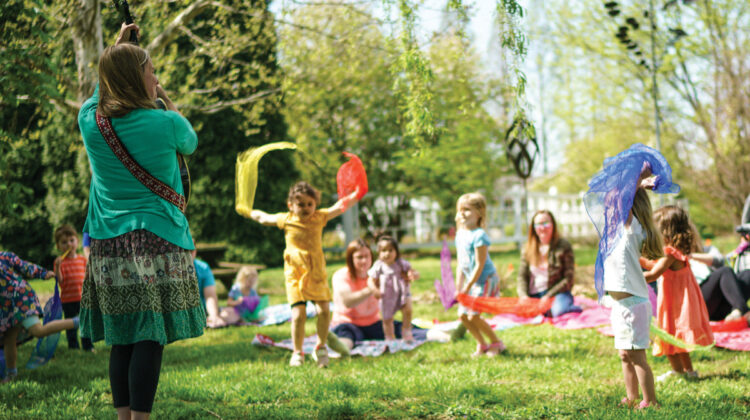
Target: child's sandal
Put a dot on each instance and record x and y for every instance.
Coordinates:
(495, 348)
(481, 349)
(625, 402)
(643, 405)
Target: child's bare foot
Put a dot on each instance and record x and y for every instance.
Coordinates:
(407, 335)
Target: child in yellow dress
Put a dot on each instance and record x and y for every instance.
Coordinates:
(304, 262)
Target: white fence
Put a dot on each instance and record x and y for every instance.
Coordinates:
(425, 224)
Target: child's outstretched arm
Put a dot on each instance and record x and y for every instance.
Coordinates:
(263, 218)
(659, 268)
(343, 204)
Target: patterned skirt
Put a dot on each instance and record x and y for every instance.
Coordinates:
(140, 287)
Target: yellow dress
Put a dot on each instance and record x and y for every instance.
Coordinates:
(304, 262)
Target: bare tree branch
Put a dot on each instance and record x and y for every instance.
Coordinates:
(171, 31)
(221, 105)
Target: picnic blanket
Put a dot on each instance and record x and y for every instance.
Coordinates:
(366, 348)
(277, 314)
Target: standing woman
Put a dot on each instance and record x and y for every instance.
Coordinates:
(140, 290)
(547, 265)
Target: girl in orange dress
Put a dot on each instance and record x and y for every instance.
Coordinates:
(680, 309)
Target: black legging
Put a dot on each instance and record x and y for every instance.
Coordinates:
(134, 374)
(724, 291)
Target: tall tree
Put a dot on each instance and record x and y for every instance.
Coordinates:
(343, 95)
(605, 96)
(217, 59)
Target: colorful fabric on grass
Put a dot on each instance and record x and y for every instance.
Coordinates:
(446, 288)
(281, 313)
(350, 176)
(525, 307)
(366, 348)
(732, 335)
(251, 308)
(611, 192)
(246, 177)
(140, 287)
(46, 346)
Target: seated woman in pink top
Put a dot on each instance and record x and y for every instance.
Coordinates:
(356, 314)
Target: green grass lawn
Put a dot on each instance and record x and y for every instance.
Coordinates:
(545, 373)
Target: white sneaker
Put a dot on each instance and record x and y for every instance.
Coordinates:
(321, 356)
(735, 314)
(669, 375)
(297, 359)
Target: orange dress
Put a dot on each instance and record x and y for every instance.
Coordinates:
(680, 308)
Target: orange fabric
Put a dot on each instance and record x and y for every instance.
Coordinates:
(72, 272)
(526, 307)
(680, 309)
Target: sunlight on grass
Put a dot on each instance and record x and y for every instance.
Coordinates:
(545, 373)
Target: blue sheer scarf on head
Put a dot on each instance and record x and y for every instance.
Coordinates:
(611, 192)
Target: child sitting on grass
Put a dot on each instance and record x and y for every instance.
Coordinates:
(243, 298)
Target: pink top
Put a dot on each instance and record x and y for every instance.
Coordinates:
(364, 314)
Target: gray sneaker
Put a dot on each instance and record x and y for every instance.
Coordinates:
(321, 357)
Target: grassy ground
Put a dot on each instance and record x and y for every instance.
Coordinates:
(545, 373)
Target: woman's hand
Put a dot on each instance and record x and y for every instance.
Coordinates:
(162, 94)
(125, 30)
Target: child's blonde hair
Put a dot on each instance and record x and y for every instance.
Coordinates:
(675, 227)
(653, 245)
(478, 202)
(247, 273)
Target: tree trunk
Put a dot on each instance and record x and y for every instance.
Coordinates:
(88, 43)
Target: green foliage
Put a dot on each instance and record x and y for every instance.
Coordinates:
(341, 95)
(225, 79)
(27, 91)
(220, 70)
(603, 97)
